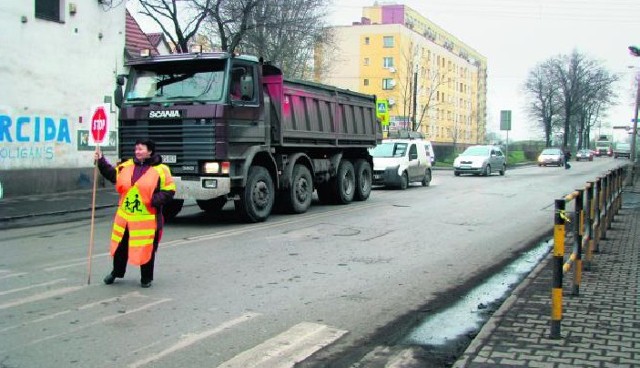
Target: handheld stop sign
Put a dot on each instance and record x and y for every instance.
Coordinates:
(99, 123)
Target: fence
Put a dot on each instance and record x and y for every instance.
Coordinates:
(600, 200)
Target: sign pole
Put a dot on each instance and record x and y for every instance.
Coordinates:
(93, 215)
(99, 128)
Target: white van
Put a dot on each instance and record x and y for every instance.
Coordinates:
(398, 162)
(429, 149)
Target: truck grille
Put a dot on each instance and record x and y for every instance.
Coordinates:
(189, 140)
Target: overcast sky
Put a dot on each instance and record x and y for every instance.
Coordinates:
(515, 35)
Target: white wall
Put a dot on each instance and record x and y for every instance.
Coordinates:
(52, 73)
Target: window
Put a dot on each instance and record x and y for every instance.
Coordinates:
(49, 10)
(388, 83)
(366, 82)
(387, 41)
(387, 62)
(367, 40)
(366, 61)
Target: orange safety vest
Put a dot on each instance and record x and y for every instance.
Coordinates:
(135, 211)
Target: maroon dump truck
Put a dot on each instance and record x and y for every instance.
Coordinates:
(232, 128)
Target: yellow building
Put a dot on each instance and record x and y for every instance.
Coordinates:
(433, 82)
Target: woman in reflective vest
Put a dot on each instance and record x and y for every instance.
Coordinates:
(145, 185)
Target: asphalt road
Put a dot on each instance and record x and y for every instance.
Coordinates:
(322, 287)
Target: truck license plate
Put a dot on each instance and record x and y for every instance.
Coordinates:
(169, 159)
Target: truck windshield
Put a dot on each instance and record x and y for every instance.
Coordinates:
(150, 86)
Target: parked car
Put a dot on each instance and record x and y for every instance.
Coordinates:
(584, 154)
(480, 160)
(622, 150)
(398, 162)
(551, 156)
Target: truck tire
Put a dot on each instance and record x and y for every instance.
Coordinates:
(171, 209)
(404, 181)
(212, 205)
(257, 197)
(345, 182)
(298, 198)
(364, 180)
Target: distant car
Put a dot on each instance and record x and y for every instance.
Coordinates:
(480, 160)
(622, 150)
(584, 154)
(551, 156)
(398, 162)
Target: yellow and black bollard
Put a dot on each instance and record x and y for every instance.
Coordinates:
(558, 260)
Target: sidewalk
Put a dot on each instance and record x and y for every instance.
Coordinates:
(599, 328)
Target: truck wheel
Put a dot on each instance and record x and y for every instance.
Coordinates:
(345, 182)
(256, 199)
(298, 197)
(364, 179)
(212, 205)
(171, 209)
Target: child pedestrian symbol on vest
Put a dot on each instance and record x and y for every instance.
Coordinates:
(132, 206)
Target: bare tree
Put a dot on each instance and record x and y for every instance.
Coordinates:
(179, 28)
(572, 90)
(288, 32)
(543, 91)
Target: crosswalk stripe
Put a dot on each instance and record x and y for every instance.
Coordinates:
(287, 348)
(31, 287)
(191, 339)
(41, 296)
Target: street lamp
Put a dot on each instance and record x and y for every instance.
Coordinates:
(635, 52)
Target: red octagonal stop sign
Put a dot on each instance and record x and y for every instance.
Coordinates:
(98, 124)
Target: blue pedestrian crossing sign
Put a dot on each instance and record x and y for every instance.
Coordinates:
(382, 111)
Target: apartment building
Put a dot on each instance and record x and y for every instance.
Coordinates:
(433, 82)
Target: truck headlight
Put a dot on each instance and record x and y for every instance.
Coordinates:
(211, 167)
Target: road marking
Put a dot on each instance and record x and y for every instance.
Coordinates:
(98, 321)
(41, 296)
(67, 311)
(30, 287)
(13, 275)
(288, 348)
(190, 339)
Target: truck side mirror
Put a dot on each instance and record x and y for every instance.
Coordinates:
(118, 95)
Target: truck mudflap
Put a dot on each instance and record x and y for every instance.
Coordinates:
(194, 187)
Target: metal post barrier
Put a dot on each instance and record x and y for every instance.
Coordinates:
(578, 232)
(590, 211)
(558, 254)
(600, 201)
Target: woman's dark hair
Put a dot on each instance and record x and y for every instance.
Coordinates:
(151, 145)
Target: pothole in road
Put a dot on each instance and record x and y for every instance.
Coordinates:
(469, 313)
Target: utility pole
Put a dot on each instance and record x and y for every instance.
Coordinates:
(415, 100)
(635, 52)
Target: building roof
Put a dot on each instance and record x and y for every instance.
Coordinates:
(136, 39)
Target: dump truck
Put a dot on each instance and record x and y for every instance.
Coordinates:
(233, 128)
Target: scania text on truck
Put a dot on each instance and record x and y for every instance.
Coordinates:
(231, 127)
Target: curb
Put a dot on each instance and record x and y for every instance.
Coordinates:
(492, 324)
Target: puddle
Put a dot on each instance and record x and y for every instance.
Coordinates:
(465, 316)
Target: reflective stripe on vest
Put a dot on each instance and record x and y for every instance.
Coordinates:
(135, 211)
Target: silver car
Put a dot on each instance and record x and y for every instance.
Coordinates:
(480, 160)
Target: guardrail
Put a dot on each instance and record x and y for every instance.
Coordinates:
(600, 200)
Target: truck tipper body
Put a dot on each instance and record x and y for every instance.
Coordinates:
(233, 128)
